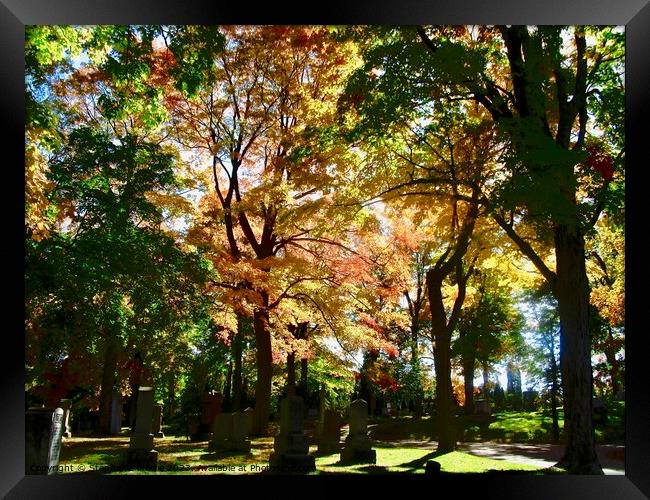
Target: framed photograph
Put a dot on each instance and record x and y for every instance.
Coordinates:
(631, 17)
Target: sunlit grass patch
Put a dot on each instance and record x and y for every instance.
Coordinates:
(182, 457)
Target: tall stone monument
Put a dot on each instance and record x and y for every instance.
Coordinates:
(357, 448)
(141, 453)
(290, 447)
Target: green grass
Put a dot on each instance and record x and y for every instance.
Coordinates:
(413, 461)
(533, 427)
(178, 456)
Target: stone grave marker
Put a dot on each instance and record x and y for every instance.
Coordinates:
(156, 422)
(141, 453)
(357, 447)
(43, 433)
(239, 433)
(329, 437)
(290, 447)
(221, 432)
(66, 406)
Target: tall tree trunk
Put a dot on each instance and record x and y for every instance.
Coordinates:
(264, 363)
(227, 388)
(108, 383)
(468, 375)
(236, 374)
(442, 366)
(171, 396)
(415, 365)
(572, 293)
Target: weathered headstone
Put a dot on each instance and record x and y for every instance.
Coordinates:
(43, 433)
(66, 406)
(239, 433)
(141, 453)
(248, 413)
(116, 414)
(357, 448)
(290, 447)
(221, 432)
(329, 437)
(156, 422)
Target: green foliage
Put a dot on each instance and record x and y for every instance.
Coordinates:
(490, 329)
(195, 49)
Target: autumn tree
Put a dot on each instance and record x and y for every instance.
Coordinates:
(124, 280)
(261, 124)
(547, 89)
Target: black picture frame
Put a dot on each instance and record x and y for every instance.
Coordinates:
(15, 14)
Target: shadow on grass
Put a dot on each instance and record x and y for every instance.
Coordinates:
(421, 462)
(217, 455)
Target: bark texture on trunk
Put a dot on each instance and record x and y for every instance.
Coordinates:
(572, 293)
(264, 361)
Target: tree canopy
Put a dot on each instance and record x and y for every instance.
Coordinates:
(223, 202)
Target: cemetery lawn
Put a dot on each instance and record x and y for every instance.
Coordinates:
(178, 456)
(533, 427)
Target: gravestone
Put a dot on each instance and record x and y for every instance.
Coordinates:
(221, 432)
(210, 408)
(141, 453)
(482, 407)
(156, 422)
(66, 406)
(248, 413)
(239, 433)
(43, 433)
(116, 414)
(290, 447)
(330, 432)
(357, 448)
